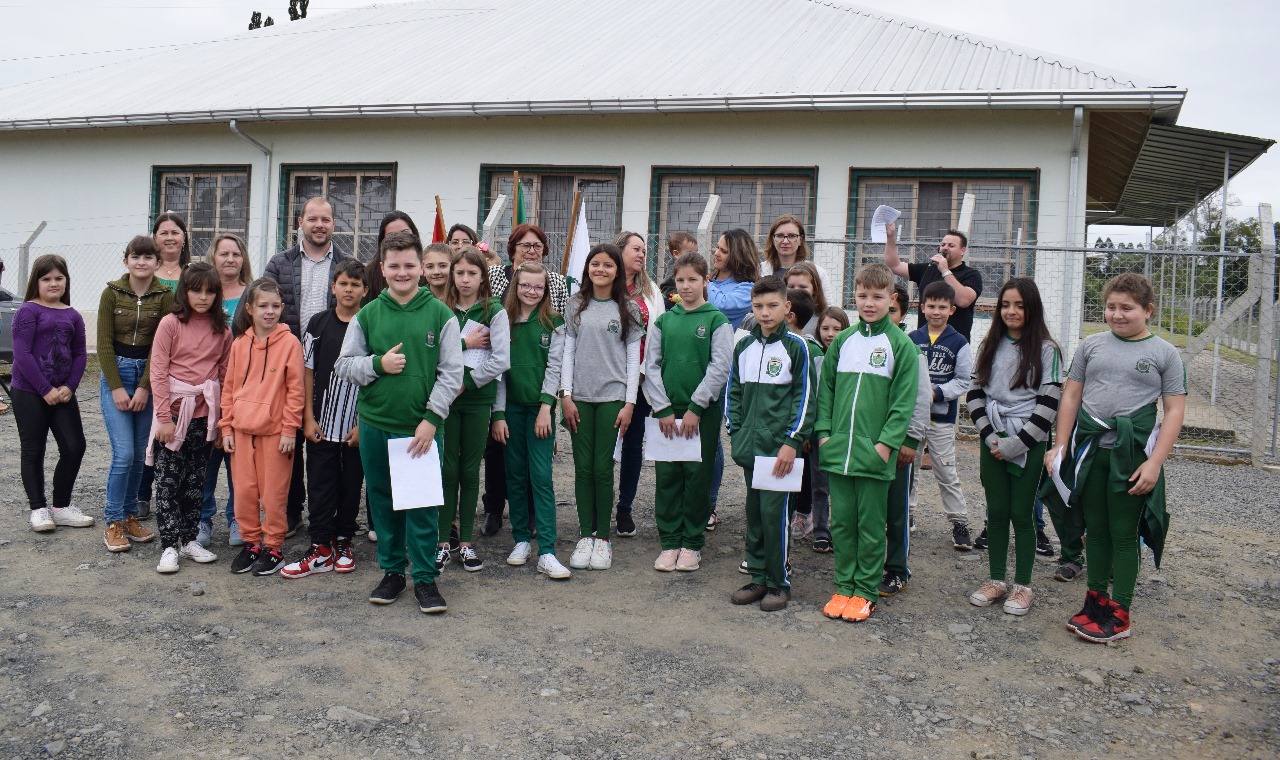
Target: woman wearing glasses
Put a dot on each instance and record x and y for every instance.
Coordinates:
(785, 246)
(527, 244)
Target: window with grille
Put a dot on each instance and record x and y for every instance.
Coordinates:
(548, 201)
(360, 195)
(749, 199)
(930, 202)
(213, 200)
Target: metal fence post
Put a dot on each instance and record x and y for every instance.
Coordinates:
(490, 227)
(706, 224)
(1266, 331)
(24, 258)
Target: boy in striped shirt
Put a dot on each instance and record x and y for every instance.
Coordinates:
(331, 428)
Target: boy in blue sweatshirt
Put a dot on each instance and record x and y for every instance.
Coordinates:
(950, 363)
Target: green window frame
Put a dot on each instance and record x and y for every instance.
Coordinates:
(213, 199)
(361, 194)
(548, 201)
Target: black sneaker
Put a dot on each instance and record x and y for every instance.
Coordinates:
(1043, 547)
(960, 538)
(471, 561)
(144, 509)
(429, 599)
(245, 560)
(1067, 572)
(268, 562)
(492, 524)
(626, 526)
(892, 584)
(442, 557)
(981, 541)
(712, 520)
(748, 594)
(294, 524)
(822, 545)
(387, 591)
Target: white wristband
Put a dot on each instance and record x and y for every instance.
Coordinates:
(945, 273)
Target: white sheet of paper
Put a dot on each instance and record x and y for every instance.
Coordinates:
(1056, 477)
(474, 357)
(762, 476)
(415, 483)
(879, 218)
(659, 448)
(617, 450)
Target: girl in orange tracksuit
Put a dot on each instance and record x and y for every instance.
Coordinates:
(261, 414)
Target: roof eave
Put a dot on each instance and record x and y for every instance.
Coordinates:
(1165, 100)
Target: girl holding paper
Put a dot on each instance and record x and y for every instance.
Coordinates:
(524, 415)
(690, 349)
(1017, 381)
(261, 414)
(600, 379)
(477, 312)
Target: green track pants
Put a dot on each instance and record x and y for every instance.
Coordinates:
(681, 502)
(593, 466)
(408, 535)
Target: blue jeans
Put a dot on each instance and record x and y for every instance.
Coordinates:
(1039, 515)
(717, 473)
(128, 432)
(632, 453)
(209, 507)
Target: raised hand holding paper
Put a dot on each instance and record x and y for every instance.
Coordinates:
(415, 483)
(762, 478)
(882, 216)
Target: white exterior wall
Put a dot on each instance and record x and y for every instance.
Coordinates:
(93, 186)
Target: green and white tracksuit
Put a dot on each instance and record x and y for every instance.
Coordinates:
(686, 367)
(770, 404)
(392, 406)
(527, 387)
(866, 395)
(466, 435)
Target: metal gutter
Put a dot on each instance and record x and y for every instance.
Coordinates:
(266, 194)
(1159, 99)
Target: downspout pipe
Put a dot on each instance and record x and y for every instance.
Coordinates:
(266, 194)
(1073, 218)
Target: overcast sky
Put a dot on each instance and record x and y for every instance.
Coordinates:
(1221, 52)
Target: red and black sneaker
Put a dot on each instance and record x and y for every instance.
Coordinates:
(319, 559)
(344, 560)
(1111, 623)
(1093, 601)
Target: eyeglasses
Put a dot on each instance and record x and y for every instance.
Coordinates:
(530, 247)
(789, 237)
(530, 287)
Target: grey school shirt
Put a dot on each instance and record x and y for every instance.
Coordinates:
(598, 366)
(1122, 376)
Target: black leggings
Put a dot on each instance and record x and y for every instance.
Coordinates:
(35, 420)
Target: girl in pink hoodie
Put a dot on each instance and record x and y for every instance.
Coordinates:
(188, 363)
(261, 414)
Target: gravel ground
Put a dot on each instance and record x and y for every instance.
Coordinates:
(102, 657)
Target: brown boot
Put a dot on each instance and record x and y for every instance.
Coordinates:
(134, 530)
(115, 537)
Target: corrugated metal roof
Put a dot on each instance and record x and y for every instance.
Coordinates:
(454, 57)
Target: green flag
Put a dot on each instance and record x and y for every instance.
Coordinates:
(518, 217)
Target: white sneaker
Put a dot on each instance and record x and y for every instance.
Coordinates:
(551, 567)
(42, 521)
(520, 554)
(602, 555)
(197, 553)
(168, 561)
(373, 537)
(70, 516)
(581, 557)
(666, 561)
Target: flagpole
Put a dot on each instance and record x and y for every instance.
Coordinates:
(439, 212)
(573, 227)
(515, 202)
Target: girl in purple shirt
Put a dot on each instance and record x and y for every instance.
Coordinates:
(48, 362)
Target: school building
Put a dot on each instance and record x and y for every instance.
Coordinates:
(821, 109)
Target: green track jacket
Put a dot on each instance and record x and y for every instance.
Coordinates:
(688, 358)
(536, 355)
(866, 395)
(771, 394)
(478, 382)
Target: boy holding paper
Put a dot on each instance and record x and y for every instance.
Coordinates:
(405, 353)
(687, 364)
(771, 410)
(865, 400)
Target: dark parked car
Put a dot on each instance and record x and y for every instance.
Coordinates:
(9, 304)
